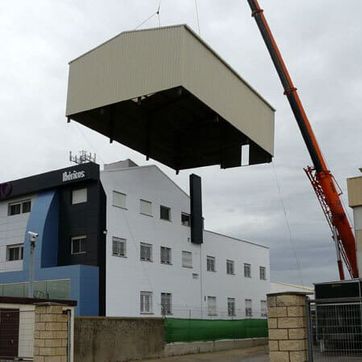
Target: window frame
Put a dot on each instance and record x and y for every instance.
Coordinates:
(248, 309)
(184, 265)
(19, 247)
(146, 294)
(149, 246)
(263, 309)
(188, 224)
(79, 189)
(211, 309)
(169, 255)
(247, 270)
(146, 202)
(232, 312)
(83, 239)
(168, 209)
(121, 241)
(210, 263)
(262, 272)
(228, 263)
(168, 309)
(20, 205)
(115, 192)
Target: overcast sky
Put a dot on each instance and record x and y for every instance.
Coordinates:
(321, 43)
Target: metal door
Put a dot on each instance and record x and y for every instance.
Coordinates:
(9, 333)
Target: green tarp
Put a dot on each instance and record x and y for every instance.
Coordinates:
(188, 330)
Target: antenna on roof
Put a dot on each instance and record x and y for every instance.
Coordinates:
(82, 157)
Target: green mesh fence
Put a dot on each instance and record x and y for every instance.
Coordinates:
(188, 330)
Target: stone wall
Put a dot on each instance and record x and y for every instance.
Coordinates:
(50, 334)
(287, 325)
(100, 339)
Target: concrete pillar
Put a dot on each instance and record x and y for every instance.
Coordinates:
(287, 325)
(50, 334)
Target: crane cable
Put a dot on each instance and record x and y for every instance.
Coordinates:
(197, 17)
(291, 241)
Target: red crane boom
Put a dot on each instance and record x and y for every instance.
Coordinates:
(321, 178)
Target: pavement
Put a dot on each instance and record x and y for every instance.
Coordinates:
(253, 354)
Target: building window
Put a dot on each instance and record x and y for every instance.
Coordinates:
(79, 196)
(118, 246)
(231, 307)
(14, 252)
(230, 267)
(263, 308)
(166, 303)
(195, 276)
(210, 263)
(262, 270)
(146, 207)
(21, 207)
(146, 302)
(247, 270)
(248, 308)
(146, 252)
(165, 213)
(185, 219)
(119, 199)
(78, 244)
(211, 306)
(165, 255)
(186, 259)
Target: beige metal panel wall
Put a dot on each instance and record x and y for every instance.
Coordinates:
(127, 66)
(206, 76)
(354, 191)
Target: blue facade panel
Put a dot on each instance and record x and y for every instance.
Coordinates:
(84, 279)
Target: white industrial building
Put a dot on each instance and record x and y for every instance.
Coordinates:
(152, 266)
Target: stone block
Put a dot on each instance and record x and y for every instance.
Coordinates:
(40, 326)
(275, 312)
(298, 356)
(47, 351)
(54, 359)
(272, 301)
(52, 342)
(39, 342)
(272, 323)
(279, 356)
(278, 334)
(273, 346)
(297, 333)
(38, 359)
(290, 300)
(52, 334)
(56, 326)
(62, 318)
(296, 311)
(291, 322)
(48, 317)
(60, 351)
(57, 309)
(292, 345)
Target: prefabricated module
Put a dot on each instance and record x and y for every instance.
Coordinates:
(165, 93)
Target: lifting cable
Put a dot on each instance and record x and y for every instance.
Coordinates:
(291, 241)
(197, 17)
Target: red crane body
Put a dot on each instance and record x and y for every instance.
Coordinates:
(321, 178)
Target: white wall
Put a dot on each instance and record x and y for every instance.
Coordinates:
(126, 277)
(12, 231)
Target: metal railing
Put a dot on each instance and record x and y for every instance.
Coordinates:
(335, 330)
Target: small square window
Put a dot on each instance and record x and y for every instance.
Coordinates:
(119, 199)
(146, 302)
(15, 252)
(186, 259)
(118, 246)
(146, 207)
(231, 307)
(210, 264)
(165, 213)
(79, 196)
(78, 244)
(247, 270)
(185, 219)
(165, 255)
(263, 309)
(166, 303)
(26, 206)
(230, 267)
(262, 270)
(146, 252)
(14, 209)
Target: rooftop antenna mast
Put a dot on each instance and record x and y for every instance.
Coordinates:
(82, 157)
